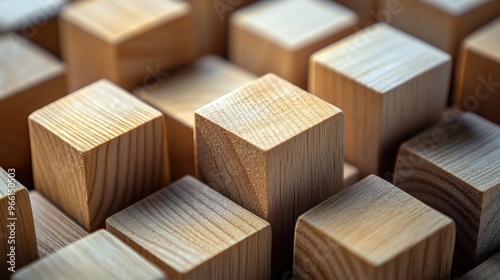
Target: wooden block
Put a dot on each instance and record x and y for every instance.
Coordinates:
(184, 91)
(17, 234)
(366, 9)
(373, 230)
(54, 230)
(275, 150)
(136, 39)
(279, 36)
(97, 256)
(455, 168)
(30, 78)
(351, 174)
(389, 85)
(108, 144)
(192, 232)
(490, 269)
(478, 73)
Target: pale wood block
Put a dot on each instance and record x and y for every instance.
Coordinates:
(275, 150)
(389, 85)
(184, 91)
(30, 78)
(366, 9)
(97, 256)
(107, 143)
(279, 36)
(478, 73)
(192, 232)
(17, 232)
(455, 168)
(373, 230)
(351, 174)
(133, 37)
(490, 269)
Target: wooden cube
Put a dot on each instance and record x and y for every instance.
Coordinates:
(373, 230)
(97, 151)
(351, 174)
(487, 270)
(192, 232)
(136, 39)
(455, 168)
(478, 73)
(97, 256)
(366, 10)
(279, 36)
(389, 85)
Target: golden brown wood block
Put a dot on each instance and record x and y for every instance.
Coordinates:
(351, 174)
(366, 10)
(485, 271)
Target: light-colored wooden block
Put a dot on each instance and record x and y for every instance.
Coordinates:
(279, 36)
(136, 39)
(97, 256)
(275, 150)
(490, 269)
(366, 10)
(455, 168)
(54, 230)
(389, 85)
(192, 232)
(184, 91)
(351, 174)
(373, 230)
(96, 151)
(478, 73)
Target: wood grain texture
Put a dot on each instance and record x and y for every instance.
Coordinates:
(389, 85)
(279, 36)
(184, 91)
(490, 269)
(136, 40)
(54, 229)
(275, 150)
(193, 232)
(107, 143)
(97, 256)
(455, 168)
(373, 230)
(351, 174)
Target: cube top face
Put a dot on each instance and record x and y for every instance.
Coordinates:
(115, 21)
(14, 14)
(486, 41)
(456, 7)
(400, 57)
(267, 111)
(74, 121)
(294, 24)
(5, 187)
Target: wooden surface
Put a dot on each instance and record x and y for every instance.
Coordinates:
(97, 256)
(478, 73)
(107, 143)
(54, 229)
(389, 86)
(184, 91)
(351, 174)
(275, 150)
(366, 10)
(373, 230)
(490, 269)
(455, 168)
(192, 232)
(136, 40)
(279, 36)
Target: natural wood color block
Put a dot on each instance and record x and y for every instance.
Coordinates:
(54, 230)
(389, 85)
(275, 150)
(455, 168)
(366, 9)
(136, 39)
(490, 269)
(373, 230)
(478, 73)
(184, 91)
(351, 174)
(193, 232)
(107, 143)
(97, 256)
(279, 36)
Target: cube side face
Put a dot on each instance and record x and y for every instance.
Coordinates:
(489, 226)
(180, 148)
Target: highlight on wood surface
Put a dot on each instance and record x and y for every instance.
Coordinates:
(490, 269)
(373, 230)
(97, 151)
(192, 232)
(351, 174)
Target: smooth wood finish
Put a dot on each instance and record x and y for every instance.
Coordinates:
(193, 232)
(97, 151)
(136, 39)
(366, 10)
(389, 85)
(373, 230)
(455, 168)
(490, 269)
(279, 36)
(97, 256)
(351, 174)
(275, 150)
